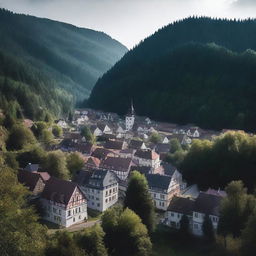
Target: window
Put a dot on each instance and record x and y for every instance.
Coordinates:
(172, 214)
(98, 204)
(162, 196)
(154, 195)
(106, 200)
(74, 219)
(97, 199)
(196, 214)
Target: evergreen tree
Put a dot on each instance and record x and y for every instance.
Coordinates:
(139, 200)
(184, 227)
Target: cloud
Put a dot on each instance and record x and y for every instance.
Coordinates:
(245, 3)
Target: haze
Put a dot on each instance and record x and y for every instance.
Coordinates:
(129, 21)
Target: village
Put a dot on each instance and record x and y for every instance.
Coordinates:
(122, 146)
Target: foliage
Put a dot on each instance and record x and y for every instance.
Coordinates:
(139, 200)
(63, 244)
(184, 226)
(75, 162)
(155, 138)
(175, 145)
(57, 131)
(91, 241)
(47, 137)
(249, 237)
(86, 132)
(10, 160)
(215, 164)
(20, 233)
(186, 77)
(55, 164)
(19, 138)
(235, 209)
(125, 233)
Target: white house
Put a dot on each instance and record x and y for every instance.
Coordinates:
(101, 189)
(196, 210)
(147, 158)
(163, 188)
(64, 202)
(130, 119)
(193, 132)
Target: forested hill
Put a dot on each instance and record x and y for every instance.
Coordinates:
(197, 70)
(55, 55)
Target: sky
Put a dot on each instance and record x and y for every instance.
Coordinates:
(129, 21)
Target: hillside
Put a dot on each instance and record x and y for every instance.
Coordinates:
(194, 71)
(55, 55)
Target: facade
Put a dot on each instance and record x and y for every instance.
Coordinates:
(147, 158)
(64, 202)
(163, 188)
(101, 189)
(196, 210)
(120, 166)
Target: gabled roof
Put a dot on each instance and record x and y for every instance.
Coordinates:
(219, 192)
(146, 154)
(114, 144)
(136, 144)
(59, 191)
(141, 169)
(100, 179)
(162, 148)
(169, 169)
(156, 181)
(32, 167)
(44, 175)
(93, 161)
(101, 153)
(117, 163)
(181, 205)
(207, 204)
(29, 179)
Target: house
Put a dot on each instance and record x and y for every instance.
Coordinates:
(103, 153)
(196, 210)
(32, 167)
(130, 119)
(162, 149)
(120, 130)
(104, 128)
(64, 202)
(84, 148)
(162, 188)
(127, 153)
(115, 144)
(137, 144)
(120, 166)
(32, 180)
(92, 163)
(193, 132)
(147, 158)
(101, 189)
(96, 131)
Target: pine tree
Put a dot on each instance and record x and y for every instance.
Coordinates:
(139, 200)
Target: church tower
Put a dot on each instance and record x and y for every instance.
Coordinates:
(130, 118)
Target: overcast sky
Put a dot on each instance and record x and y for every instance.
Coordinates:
(129, 21)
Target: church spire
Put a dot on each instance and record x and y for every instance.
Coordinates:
(132, 108)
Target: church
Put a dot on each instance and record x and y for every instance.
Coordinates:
(130, 118)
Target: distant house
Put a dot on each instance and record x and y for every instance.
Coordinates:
(162, 149)
(32, 180)
(84, 148)
(104, 128)
(101, 189)
(96, 131)
(120, 166)
(64, 202)
(62, 123)
(137, 144)
(115, 144)
(163, 188)
(147, 158)
(193, 132)
(127, 153)
(92, 163)
(32, 167)
(196, 210)
(103, 153)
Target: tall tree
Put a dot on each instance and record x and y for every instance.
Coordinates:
(139, 200)
(75, 162)
(86, 132)
(20, 233)
(184, 226)
(130, 235)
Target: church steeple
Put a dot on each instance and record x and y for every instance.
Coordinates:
(131, 111)
(130, 118)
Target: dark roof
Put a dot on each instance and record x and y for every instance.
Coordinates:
(156, 181)
(219, 192)
(101, 153)
(162, 148)
(100, 179)
(114, 144)
(141, 169)
(146, 154)
(169, 169)
(82, 177)
(29, 179)
(207, 204)
(44, 175)
(127, 151)
(117, 163)
(32, 167)
(136, 144)
(59, 191)
(181, 205)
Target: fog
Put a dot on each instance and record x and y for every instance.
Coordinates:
(129, 21)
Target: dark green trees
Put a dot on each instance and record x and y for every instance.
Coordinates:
(139, 200)
(125, 233)
(208, 229)
(86, 132)
(184, 227)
